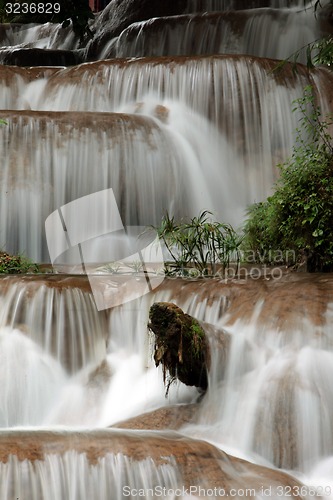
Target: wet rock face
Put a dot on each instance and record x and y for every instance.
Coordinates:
(192, 463)
(325, 15)
(40, 57)
(119, 14)
(168, 417)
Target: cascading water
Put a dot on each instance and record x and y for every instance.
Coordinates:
(178, 134)
(76, 478)
(148, 160)
(65, 325)
(240, 32)
(223, 5)
(175, 137)
(272, 405)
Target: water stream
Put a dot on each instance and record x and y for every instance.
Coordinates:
(162, 145)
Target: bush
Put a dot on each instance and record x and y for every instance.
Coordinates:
(202, 246)
(299, 215)
(16, 264)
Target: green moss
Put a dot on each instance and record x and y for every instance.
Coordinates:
(197, 336)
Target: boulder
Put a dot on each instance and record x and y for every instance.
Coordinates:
(40, 57)
(181, 345)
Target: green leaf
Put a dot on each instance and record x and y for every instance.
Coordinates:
(309, 62)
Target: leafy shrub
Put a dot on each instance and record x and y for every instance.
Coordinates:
(16, 264)
(201, 246)
(299, 215)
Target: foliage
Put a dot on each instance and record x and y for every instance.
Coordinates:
(75, 12)
(319, 52)
(261, 233)
(16, 264)
(201, 244)
(299, 215)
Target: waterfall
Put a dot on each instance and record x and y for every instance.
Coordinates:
(62, 321)
(281, 382)
(253, 32)
(44, 36)
(275, 399)
(154, 163)
(177, 127)
(221, 5)
(31, 380)
(277, 375)
(71, 476)
(83, 367)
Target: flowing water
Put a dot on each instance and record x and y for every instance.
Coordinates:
(256, 32)
(201, 128)
(162, 134)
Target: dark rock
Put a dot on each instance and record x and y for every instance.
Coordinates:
(181, 345)
(120, 14)
(40, 57)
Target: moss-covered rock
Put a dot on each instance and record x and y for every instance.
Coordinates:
(180, 344)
